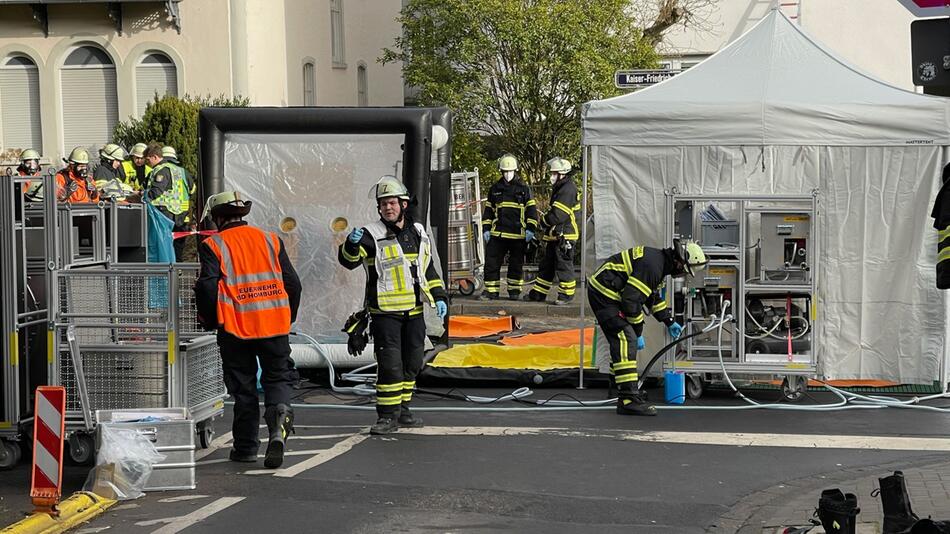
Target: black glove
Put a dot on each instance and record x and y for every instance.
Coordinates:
(355, 328)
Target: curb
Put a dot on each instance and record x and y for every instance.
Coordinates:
(80, 507)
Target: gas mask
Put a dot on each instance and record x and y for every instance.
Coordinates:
(32, 166)
(81, 171)
(554, 178)
(508, 175)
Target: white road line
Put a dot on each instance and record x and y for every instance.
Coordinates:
(740, 439)
(183, 498)
(263, 471)
(181, 523)
(322, 436)
(323, 457)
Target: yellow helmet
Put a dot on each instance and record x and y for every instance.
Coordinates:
(78, 155)
(112, 152)
(389, 186)
(227, 203)
(559, 165)
(169, 152)
(29, 154)
(507, 163)
(138, 150)
(692, 256)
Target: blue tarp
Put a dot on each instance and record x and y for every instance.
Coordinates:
(161, 249)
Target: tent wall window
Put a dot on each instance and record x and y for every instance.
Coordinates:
(20, 126)
(309, 84)
(90, 100)
(337, 40)
(154, 75)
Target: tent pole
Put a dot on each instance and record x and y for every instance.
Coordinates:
(582, 282)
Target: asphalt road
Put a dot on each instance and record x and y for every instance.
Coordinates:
(556, 471)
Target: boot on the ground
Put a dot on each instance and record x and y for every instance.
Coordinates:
(408, 420)
(634, 404)
(280, 424)
(384, 425)
(838, 511)
(898, 515)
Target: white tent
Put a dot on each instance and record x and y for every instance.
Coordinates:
(776, 113)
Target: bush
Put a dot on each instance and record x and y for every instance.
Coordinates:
(172, 121)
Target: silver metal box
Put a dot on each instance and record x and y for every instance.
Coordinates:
(174, 438)
(786, 242)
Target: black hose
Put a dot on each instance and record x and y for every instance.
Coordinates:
(660, 353)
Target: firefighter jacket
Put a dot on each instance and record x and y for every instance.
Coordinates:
(400, 274)
(83, 189)
(135, 176)
(941, 216)
(105, 172)
(632, 281)
(561, 218)
(21, 171)
(510, 210)
(247, 286)
(170, 188)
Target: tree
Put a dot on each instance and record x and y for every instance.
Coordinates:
(172, 121)
(517, 71)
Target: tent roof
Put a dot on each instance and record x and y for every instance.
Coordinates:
(774, 85)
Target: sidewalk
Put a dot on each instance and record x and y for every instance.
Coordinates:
(794, 502)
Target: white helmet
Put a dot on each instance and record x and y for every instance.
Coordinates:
(507, 163)
(389, 186)
(227, 202)
(692, 256)
(559, 165)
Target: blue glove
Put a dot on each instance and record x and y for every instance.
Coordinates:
(641, 343)
(675, 330)
(441, 309)
(528, 235)
(487, 236)
(355, 235)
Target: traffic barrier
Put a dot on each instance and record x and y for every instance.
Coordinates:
(48, 433)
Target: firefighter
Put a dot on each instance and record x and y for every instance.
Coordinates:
(29, 166)
(73, 183)
(509, 223)
(941, 216)
(621, 292)
(111, 157)
(401, 278)
(169, 189)
(560, 236)
(135, 169)
(249, 292)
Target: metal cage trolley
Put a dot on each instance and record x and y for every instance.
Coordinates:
(763, 254)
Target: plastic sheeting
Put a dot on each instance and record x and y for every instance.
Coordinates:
(507, 357)
(881, 315)
(314, 179)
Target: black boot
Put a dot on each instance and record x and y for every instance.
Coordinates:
(488, 295)
(280, 424)
(564, 300)
(407, 420)
(634, 404)
(386, 424)
(534, 296)
(928, 526)
(898, 516)
(243, 457)
(514, 295)
(838, 511)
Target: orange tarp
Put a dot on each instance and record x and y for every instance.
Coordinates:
(467, 326)
(556, 338)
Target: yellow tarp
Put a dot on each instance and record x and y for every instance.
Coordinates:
(512, 357)
(556, 338)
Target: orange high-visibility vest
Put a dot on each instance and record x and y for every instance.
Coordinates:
(252, 301)
(80, 195)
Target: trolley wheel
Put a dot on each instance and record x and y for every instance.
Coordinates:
(9, 455)
(793, 388)
(205, 430)
(82, 448)
(466, 287)
(694, 386)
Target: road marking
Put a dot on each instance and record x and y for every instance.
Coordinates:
(322, 436)
(177, 524)
(323, 426)
(217, 443)
(323, 457)
(738, 439)
(263, 471)
(92, 530)
(183, 498)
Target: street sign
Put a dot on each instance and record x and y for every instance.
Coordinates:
(927, 8)
(631, 79)
(930, 52)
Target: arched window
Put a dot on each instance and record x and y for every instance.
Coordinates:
(90, 101)
(362, 91)
(20, 104)
(154, 75)
(309, 84)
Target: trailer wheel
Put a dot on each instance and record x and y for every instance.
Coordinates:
(793, 388)
(205, 430)
(466, 287)
(694, 386)
(9, 455)
(82, 448)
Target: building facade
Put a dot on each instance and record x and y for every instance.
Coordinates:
(70, 70)
(872, 35)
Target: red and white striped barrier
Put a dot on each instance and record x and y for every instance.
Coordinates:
(49, 425)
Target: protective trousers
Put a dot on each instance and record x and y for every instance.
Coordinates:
(556, 262)
(399, 344)
(239, 359)
(622, 340)
(495, 252)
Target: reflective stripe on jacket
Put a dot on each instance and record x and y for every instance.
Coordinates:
(399, 273)
(175, 199)
(561, 217)
(252, 300)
